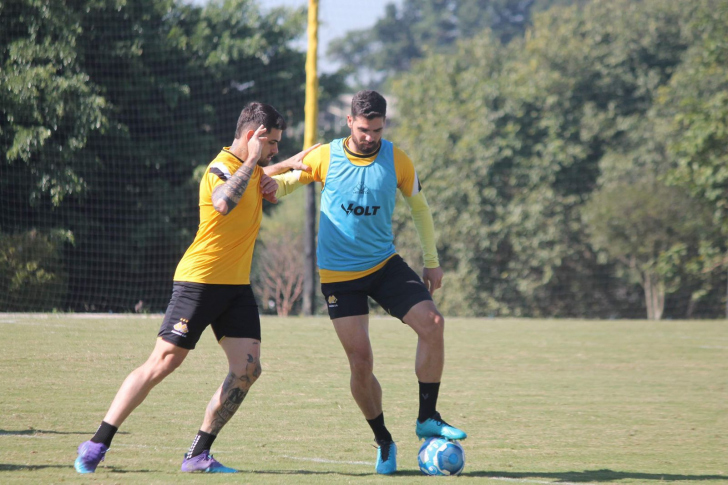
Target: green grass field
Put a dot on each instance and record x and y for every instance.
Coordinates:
(544, 401)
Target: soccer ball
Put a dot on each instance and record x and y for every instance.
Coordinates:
(439, 456)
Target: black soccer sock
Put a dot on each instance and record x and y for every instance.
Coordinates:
(428, 400)
(381, 434)
(203, 441)
(105, 434)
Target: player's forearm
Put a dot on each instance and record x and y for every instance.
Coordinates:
(278, 168)
(287, 183)
(226, 197)
(425, 227)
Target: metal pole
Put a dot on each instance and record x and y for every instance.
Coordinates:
(309, 138)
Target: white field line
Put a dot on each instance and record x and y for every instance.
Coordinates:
(324, 460)
(80, 316)
(33, 324)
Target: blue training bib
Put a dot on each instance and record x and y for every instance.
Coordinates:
(357, 203)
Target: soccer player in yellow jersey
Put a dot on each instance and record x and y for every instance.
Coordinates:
(357, 259)
(212, 287)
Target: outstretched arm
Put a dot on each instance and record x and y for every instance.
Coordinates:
(422, 217)
(313, 163)
(293, 163)
(290, 181)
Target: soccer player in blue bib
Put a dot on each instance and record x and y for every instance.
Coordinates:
(357, 259)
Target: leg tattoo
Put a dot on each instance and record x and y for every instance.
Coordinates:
(234, 390)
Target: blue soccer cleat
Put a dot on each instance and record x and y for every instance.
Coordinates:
(386, 458)
(436, 427)
(90, 454)
(204, 462)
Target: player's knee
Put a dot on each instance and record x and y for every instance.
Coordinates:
(248, 372)
(361, 364)
(162, 366)
(433, 327)
(255, 372)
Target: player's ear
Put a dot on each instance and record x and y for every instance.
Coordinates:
(350, 121)
(249, 134)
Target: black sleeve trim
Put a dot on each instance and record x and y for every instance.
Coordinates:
(219, 173)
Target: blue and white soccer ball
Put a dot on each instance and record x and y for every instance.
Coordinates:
(439, 456)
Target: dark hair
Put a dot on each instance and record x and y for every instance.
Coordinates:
(256, 114)
(369, 104)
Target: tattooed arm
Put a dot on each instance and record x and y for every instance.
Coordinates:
(225, 197)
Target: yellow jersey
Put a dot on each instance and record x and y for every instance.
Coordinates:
(222, 251)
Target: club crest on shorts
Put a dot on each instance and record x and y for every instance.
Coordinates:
(332, 301)
(180, 328)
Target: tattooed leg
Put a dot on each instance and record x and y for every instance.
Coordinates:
(230, 395)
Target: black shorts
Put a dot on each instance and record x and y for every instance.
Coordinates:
(231, 310)
(395, 287)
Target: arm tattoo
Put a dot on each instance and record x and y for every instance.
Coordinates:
(233, 392)
(232, 191)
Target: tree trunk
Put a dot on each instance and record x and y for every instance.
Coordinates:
(654, 295)
(309, 252)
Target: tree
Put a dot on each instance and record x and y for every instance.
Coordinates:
(48, 111)
(108, 109)
(651, 229)
(278, 265)
(696, 105)
(281, 271)
(48, 107)
(410, 32)
(508, 142)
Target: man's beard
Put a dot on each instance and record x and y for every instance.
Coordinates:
(361, 149)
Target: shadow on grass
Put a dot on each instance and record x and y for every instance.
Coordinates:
(16, 468)
(31, 432)
(593, 476)
(4, 467)
(400, 473)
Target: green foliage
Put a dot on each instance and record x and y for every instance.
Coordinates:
(417, 28)
(32, 274)
(654, 231)
(510, 141)
(107, 107)
(48, 107)
(696, 102)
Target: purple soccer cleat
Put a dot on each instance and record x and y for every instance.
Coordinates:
(90, 454)
(204, 462)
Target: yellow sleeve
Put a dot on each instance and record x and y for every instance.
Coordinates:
(425, 226)
(288, 182)
(407, 180)
(317, 159)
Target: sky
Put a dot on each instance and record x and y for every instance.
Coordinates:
(336, 18)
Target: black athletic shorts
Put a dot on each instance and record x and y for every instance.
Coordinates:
(231, 310)
(395, 287)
